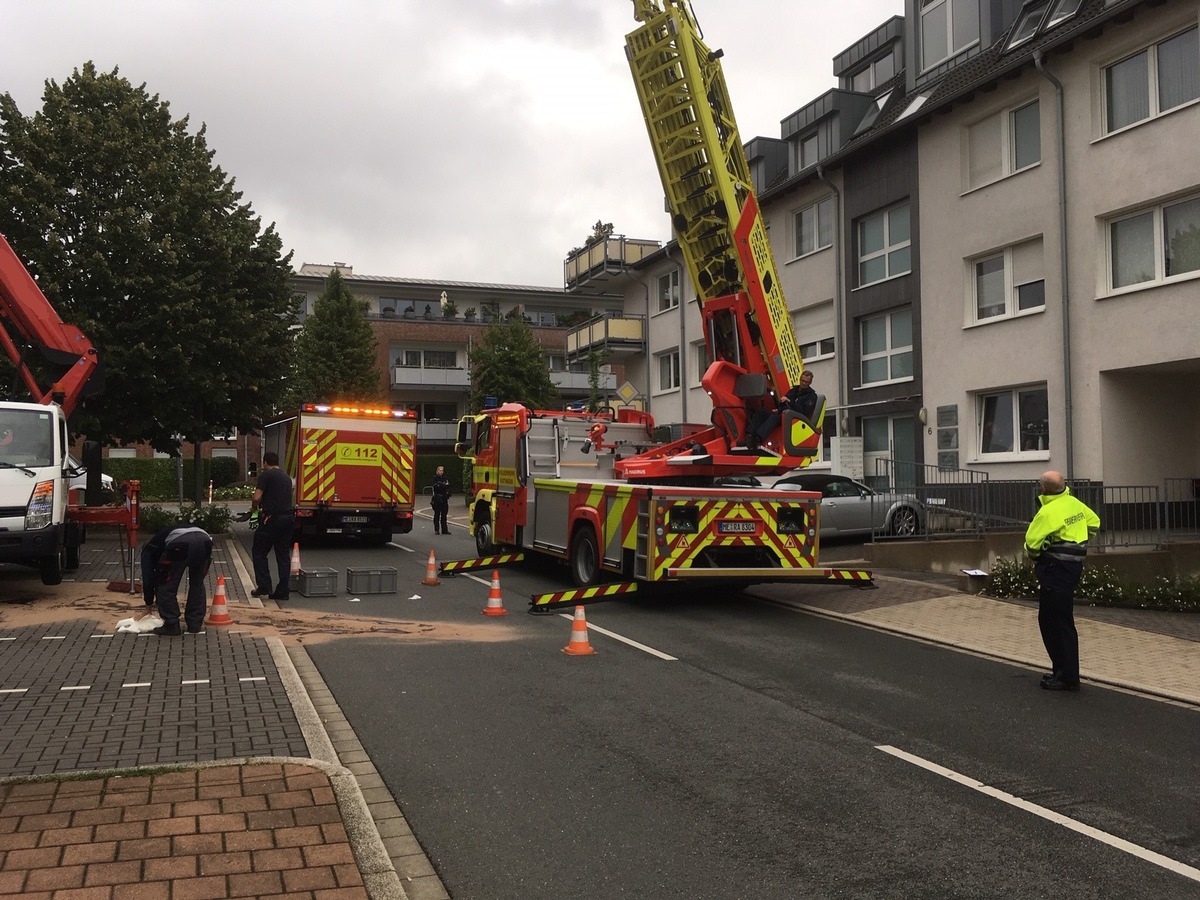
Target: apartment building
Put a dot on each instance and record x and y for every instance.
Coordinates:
(424, 328)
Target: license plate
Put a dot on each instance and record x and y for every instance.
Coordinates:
(354, 519)
(737, 527)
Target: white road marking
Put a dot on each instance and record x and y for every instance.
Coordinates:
(194, 681)
(254, 678)
(13, 690)
(1096, 834)
(136, 684)
(623, 640)
(54, 637)
(8, 639)
(76, 687)
(101, 635)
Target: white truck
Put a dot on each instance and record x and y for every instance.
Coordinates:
(38, 525)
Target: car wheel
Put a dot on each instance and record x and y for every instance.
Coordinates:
(905, 522)
(585, 557)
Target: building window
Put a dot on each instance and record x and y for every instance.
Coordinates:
(409, 359)
(814, 227)
(440, 359)
(947, 27)
(1156, 80)
(1009, 283)
(877, 73)
(887, 347)
(1039, 17)
(806, 151)
(1027, 23)
(700, 355)
(1014, 421)
(668, 291)
(1004, 143)
(816, 349)
(1158, 244)
(668, 371)
(884, 245)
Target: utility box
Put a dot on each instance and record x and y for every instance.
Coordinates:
(378, 580)
(321, 582)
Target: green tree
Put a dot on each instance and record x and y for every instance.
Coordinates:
(510, 365)
(595, 389)
(335, 350)
(142, 242)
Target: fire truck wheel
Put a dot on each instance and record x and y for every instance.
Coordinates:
(585, 557)
(483, 539)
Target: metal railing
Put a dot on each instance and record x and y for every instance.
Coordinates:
(966, 503)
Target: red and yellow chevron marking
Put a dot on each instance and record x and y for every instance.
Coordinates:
(679, 551)
(356, 466)
(544, 602)
(482, 562)
(617, 503)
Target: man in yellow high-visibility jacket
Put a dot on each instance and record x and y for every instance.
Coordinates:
(1056, 541)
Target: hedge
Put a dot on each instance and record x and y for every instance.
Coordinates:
(159, 480)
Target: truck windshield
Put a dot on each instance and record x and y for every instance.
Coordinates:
(26, 437)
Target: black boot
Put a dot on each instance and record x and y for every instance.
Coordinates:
(168, 630)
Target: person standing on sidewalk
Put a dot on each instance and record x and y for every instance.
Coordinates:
(273, 504)
(1056, 541)
(165, 558)
(440, 501)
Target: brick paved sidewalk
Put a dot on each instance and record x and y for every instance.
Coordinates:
(264, 828)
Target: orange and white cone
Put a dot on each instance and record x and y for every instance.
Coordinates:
(296, 558)
(579, 645)
(431, 571)
(219, 613)
(495, 604)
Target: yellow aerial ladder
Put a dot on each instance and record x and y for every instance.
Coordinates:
(720, 231)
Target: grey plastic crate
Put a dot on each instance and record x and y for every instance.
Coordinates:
(378, 580)
(319, 582)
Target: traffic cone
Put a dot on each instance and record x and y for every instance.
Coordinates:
(431, 571)
(296, 559)
(495, 605)
(219, 614)
(579, 645)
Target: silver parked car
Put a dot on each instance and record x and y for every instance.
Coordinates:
(850, 507)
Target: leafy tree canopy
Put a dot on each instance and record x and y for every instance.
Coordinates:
(142, 242)
(335, 351)
(510, 365)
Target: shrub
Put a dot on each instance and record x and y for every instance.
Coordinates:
(1099, 586)
(213, 519)
(243, 491)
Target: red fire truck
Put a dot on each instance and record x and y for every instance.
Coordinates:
(596, 490)
(353, 468)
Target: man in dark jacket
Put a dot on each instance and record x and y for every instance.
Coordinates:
(440, 501)
(800, 398)
(165, 558)
(273, 504)
(1056, 541)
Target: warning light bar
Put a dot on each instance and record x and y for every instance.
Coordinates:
(332, 409)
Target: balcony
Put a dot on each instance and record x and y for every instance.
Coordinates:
(594, 268)
(619, 335)
(430, 379)
(578, 381)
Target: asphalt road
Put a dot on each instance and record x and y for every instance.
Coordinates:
(750, 764)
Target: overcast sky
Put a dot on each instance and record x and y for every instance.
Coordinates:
(467, 140)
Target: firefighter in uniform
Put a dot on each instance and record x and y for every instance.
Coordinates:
(1056, 541)
(166, 556)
